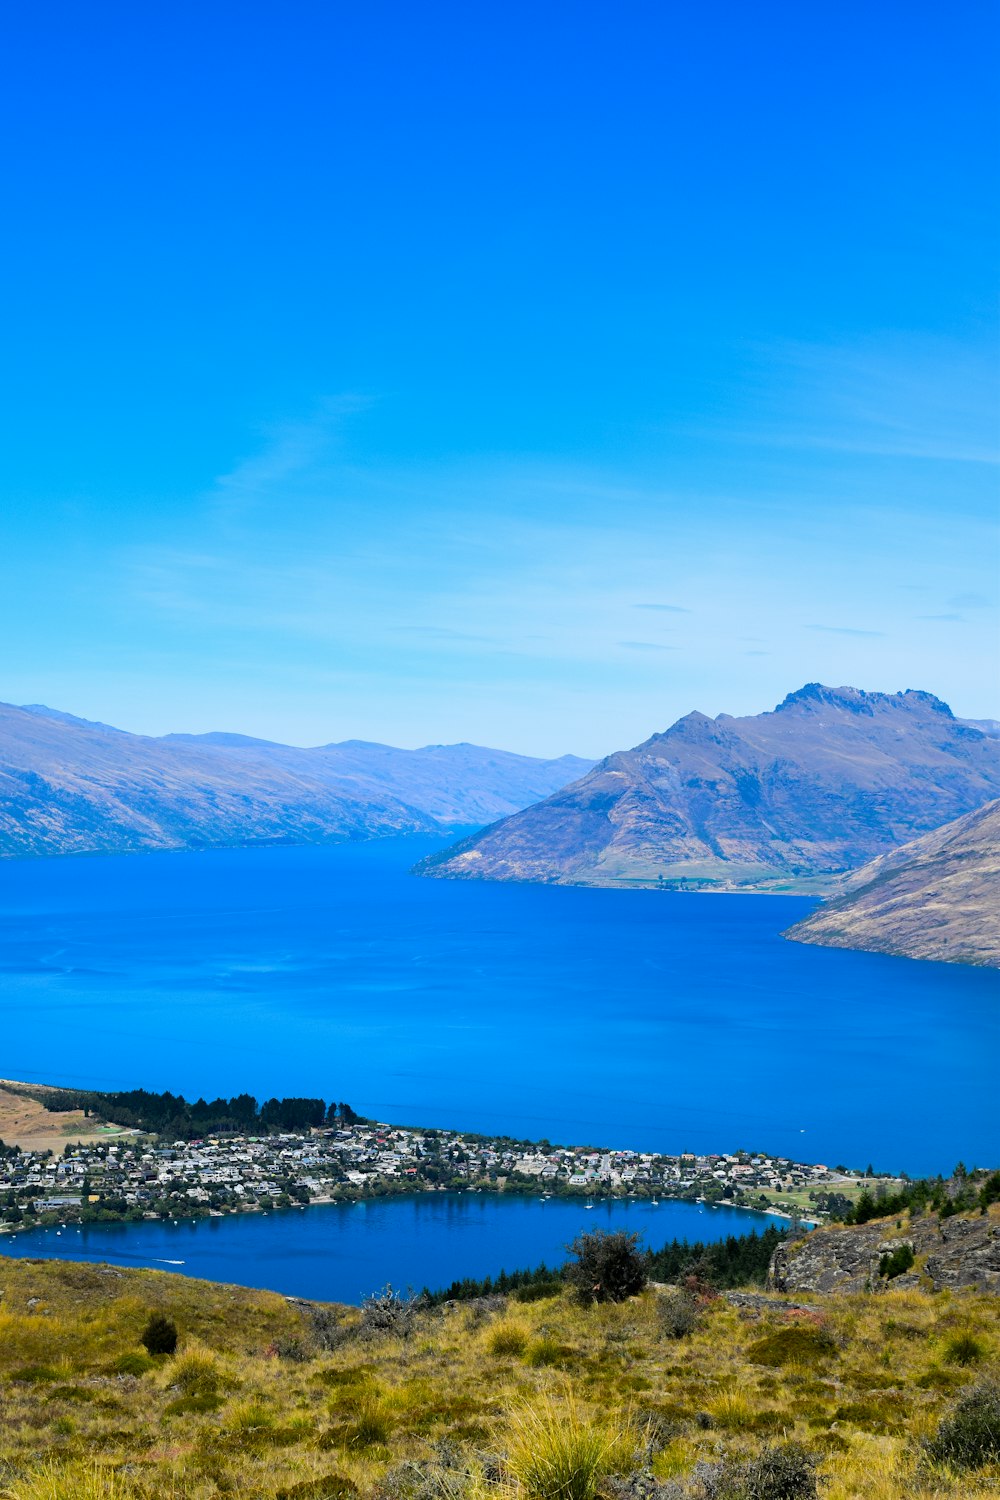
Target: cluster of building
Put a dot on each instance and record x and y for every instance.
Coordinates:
(136, 1176)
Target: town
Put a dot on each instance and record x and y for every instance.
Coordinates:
(134, 1175)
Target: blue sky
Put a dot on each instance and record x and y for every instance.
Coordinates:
(524, 374)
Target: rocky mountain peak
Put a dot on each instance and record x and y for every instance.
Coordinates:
(830, 779)
(814, 695)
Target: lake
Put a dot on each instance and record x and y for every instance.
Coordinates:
(662, 1020)
(343, 1252)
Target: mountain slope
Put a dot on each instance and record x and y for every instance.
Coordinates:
(937, 897)
(71, 786)
(277, 1398)
(831, 778)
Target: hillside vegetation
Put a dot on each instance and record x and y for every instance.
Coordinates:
(938, 897)
(668, 1394)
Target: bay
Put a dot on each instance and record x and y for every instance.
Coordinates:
(344, 1252)
(645, 1019)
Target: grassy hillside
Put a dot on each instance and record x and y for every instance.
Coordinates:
(268, 1398)
(937, 897)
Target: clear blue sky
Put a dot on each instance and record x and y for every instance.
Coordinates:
(520, 373)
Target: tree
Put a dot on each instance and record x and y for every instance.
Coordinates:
(159, 1335)
(608, 1267)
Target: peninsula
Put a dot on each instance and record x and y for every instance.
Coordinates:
(132, 1171)
(938, 897)
(781, 801)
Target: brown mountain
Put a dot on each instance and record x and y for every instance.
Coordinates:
(937, 897)
(70, 786)
(777, 801)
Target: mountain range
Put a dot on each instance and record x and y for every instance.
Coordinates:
(72, 786)
(830, 779)
(937, 897)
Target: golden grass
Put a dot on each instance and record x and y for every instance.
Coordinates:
(252, 1406)
(556, 1451)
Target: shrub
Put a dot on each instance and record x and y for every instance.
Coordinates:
(545, 1351)
(538, 1291)
(801, 1344)
(326, 1487)
(676, 1313)
(895, 1262)
(388, 1312)
(193, 1405)
(970, 1436)
(787, 1472)
(159, 1335)
(132, 1364)
(964, 1349)
(507, 1338)
(608, 1266)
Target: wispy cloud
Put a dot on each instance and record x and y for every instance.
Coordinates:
(941, 617)
(667, 609)
(895, 396)
(439, 633)
(970, 601)
(291, 452)
(646, 646)
(846, 630)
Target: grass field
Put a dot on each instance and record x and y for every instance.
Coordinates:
(473, 1400)
(25, 1122)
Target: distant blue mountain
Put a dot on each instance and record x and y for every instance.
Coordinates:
(70, 785)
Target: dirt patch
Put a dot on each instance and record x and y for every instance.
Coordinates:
(26, 1123)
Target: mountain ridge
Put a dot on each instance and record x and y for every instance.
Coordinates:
(781, 800)
(75, 786)
(937, 897)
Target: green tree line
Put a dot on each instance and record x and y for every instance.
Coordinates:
(176, 1118)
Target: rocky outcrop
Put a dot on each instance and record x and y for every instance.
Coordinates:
(779, 801)
(961, 1251)
(937, 897)
(70, 786)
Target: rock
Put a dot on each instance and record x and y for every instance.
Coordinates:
(962, 1251)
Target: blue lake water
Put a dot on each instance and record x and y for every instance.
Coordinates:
(342, 1252)
(624, 1018)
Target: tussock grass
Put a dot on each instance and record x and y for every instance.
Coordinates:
(507, 1338)
(90, 1483)
(734, 1409)
(557, 1452)
(864, 1383)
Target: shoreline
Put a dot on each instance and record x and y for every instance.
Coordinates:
(257, 1210)
(129, 1170)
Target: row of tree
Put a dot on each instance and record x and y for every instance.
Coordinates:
(738, 1260)
(176, 1118)
(963, 1192)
